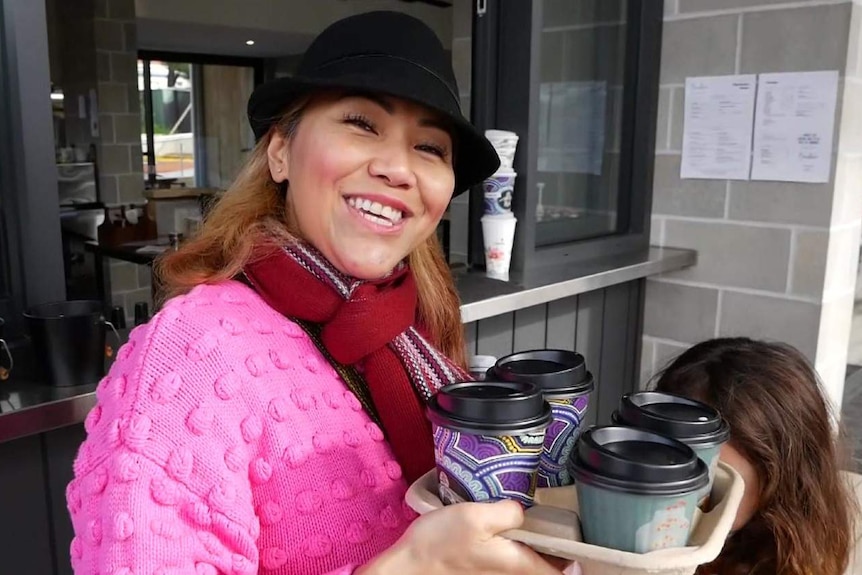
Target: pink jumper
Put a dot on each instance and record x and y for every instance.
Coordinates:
(223, 442)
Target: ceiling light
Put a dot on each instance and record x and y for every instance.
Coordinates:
(57, 96)
(249, 42)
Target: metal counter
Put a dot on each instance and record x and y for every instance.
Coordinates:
(482, 297)
(30, 407)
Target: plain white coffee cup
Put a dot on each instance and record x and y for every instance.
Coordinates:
(498, 232)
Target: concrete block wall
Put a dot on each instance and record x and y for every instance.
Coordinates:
(776, 260)
(121, 177)
(120, 163)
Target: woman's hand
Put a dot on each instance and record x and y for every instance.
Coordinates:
(462, 538)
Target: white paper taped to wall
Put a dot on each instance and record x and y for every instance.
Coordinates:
(795, 126)
(719, 114)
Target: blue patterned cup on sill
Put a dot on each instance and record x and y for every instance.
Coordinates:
(499, 189)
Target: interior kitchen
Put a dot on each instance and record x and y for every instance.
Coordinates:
(123, 122)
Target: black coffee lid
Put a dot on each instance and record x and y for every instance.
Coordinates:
(690, 421)
(636, 461)
(490, 408)
(554, 371)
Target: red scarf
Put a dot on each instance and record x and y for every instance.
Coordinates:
(367, 322)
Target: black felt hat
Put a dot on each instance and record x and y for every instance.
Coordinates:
(387, 53)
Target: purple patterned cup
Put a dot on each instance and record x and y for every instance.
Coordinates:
(563, 378)
(498, 190)
(488, 440)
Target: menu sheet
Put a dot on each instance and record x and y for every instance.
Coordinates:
(794, 126)
(718, 126)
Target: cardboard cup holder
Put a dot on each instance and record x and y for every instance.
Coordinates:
(552, 527)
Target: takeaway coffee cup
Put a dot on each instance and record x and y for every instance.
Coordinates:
(498, 232)
(505, 142)
(637, 490)
(488, 438)
(694, 423)
(563, 378)
(479, 366)
(499, 189)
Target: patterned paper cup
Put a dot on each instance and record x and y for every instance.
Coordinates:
(499, 189)
(563, 378)
(488, 440)
(567, 413)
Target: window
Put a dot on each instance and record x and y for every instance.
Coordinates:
(194, 129)
(578, 81)
(582, 79)
(168, 147)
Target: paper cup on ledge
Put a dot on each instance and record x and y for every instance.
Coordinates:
(505, 143)
(498, 232)
(499, 189)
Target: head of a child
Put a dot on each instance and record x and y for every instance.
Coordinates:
(797, 513)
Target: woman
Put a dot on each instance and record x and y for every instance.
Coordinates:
(797, 513)
(270, 417)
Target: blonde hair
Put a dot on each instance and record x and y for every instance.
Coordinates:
(254, 215)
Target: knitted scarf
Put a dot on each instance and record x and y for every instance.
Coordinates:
(370, 325)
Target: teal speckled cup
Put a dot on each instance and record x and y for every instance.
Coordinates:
(637, 490)
(694, 423)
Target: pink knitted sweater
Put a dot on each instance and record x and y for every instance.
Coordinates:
(223, 442)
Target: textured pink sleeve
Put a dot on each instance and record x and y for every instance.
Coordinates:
(151, 494)
(146, 522)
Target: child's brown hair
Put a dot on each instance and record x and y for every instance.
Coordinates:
(780, 422)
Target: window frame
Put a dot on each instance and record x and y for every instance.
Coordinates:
(11, 277)
(505, 95)
(28, 171)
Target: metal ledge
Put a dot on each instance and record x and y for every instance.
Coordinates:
(29, 407)
(482, 297)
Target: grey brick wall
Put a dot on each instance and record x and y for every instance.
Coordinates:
(120, 159)
(777, 260)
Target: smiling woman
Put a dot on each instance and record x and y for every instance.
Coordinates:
(271, 416)
(369, 179)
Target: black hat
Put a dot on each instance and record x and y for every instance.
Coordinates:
(389, 53)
